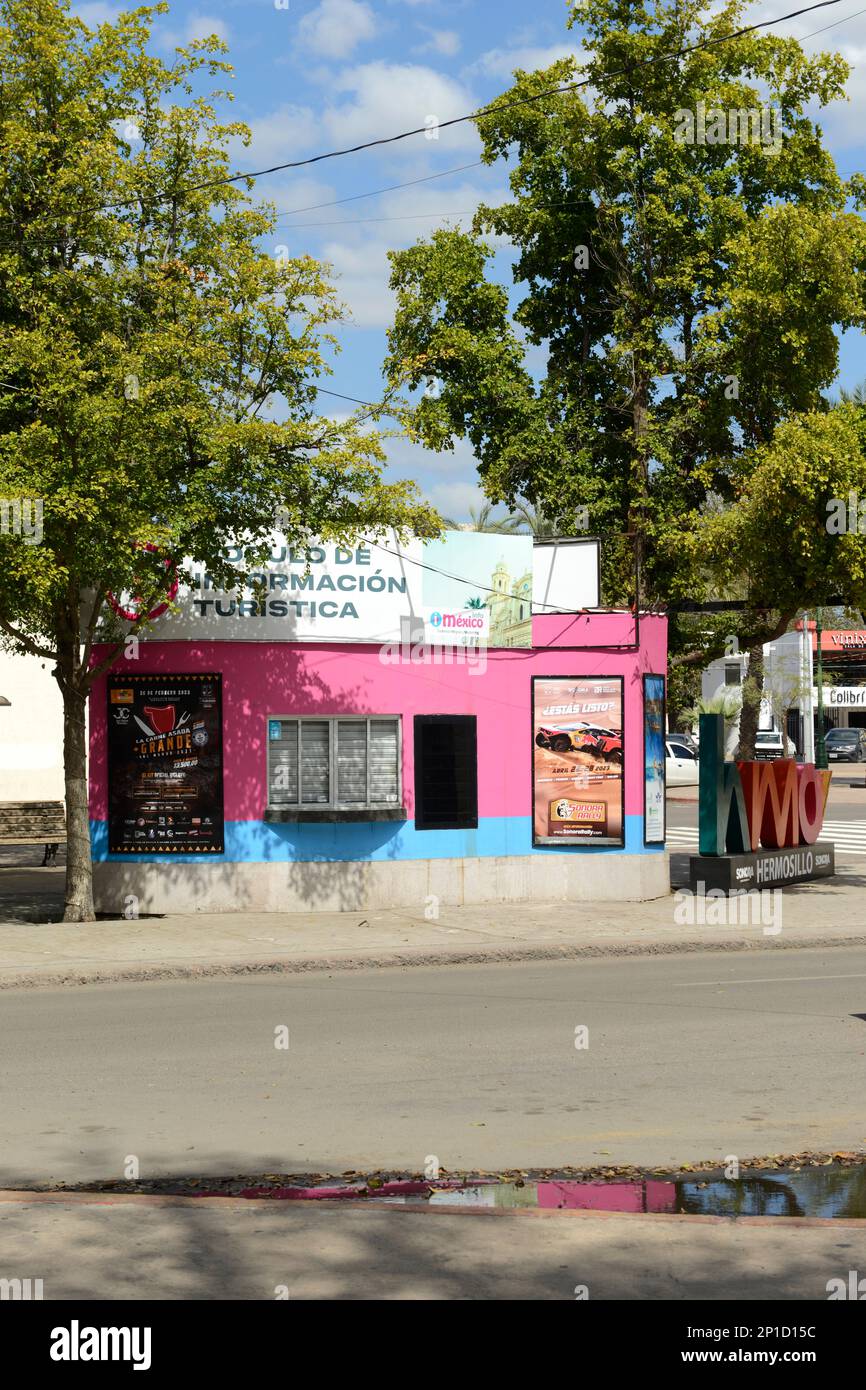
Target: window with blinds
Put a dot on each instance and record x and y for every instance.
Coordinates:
(338, 763)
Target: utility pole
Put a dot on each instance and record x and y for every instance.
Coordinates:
(820, 745)
(808, 685)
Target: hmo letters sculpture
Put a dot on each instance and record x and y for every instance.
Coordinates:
(750, 811)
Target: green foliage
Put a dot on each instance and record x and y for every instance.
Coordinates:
(682, 299)
(144, 332)
(774, 538)
(725, 702)
(483, 519)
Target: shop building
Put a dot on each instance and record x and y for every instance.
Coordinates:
(31, 730)
(319, 773)
(790, 700)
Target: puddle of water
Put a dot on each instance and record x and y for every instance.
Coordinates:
(825, 1192)
(818, 1188)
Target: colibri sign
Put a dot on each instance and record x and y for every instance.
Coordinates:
(760, 822)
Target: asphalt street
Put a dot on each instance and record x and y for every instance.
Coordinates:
(688, 1057)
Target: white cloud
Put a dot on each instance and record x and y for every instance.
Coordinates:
(302, 190)
(284, 134)
(336, 27)
(96, 12)
(197, 26)
(201, 26)
(361, 280)
(444, 41)
(447, 479)
(386, 98)
(454, 500)
(359, 255)
(842, 121)
(501, 62)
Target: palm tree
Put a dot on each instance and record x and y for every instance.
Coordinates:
(484, 520)
(540, 522)
(474, 603)
(727, 703)
(855, 397)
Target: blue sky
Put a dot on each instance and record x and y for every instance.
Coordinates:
(321, 74)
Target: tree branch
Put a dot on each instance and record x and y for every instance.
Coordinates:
(27, 642)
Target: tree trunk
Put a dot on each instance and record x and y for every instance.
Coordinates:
(79, 868)
(753, 689)
(640, 469)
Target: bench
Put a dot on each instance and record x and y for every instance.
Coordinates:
(34, 822)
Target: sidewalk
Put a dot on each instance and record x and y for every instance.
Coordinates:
(108, 1247)
(822, 914)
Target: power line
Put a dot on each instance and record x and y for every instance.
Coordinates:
(473, 583)
(834, 25)
(319, 390)
(374, 193)
(227, 179)
(403, 217)
(507, 106)
(323, 391)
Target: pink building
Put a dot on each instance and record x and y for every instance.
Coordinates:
(357, 776)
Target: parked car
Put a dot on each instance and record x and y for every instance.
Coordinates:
(846, 745)
(681, 741)
(769, 744)
(582, 738)
(681, 764)
(690, 740)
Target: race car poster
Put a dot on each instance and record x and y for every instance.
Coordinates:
(654, 760)
(577, 760)
(165, 764)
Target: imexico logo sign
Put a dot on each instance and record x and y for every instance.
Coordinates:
(743, 806)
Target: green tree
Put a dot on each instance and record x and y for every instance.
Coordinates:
(482, 519)
(143, 333)
(684, 297)
(536, 520)
(774, 539)
(855, 397)
(727, 703)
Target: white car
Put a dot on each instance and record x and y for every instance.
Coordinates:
(768, 744)
(681, 764)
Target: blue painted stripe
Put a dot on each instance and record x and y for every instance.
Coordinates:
(255, 842)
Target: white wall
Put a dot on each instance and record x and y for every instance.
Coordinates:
(787, 673)
(31, 731)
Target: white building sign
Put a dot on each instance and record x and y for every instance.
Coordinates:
(841, 697)
(468, 588)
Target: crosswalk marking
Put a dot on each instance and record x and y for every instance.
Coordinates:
(849, 837)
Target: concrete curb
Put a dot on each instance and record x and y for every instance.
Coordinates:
(482, 955)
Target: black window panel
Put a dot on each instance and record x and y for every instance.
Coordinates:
(446, 772)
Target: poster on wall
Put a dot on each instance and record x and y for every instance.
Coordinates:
(654, 760)
(577, 783)
(165, 764)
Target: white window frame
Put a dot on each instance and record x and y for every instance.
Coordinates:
(332, 720)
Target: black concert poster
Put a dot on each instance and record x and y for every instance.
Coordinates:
(165, 764)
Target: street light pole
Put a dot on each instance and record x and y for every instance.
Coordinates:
(820, 745)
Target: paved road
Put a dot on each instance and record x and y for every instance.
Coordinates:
(689, 1057)
(845, 822)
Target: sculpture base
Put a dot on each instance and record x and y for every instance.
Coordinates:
(764, 868)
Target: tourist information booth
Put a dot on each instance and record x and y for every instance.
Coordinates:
(374, 726)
